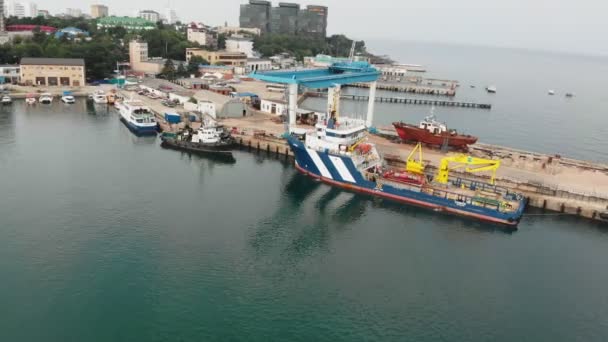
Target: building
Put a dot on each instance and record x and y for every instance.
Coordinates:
(2, 23)
(149, 15)
(129, 23)
(287, 18)
(257, 64)
(237, 44)
(282, 61)
(202, 36)
(230, 30)
(20, 9)
(233, 59)
(141, 62)
(275, 107)
(74, 12)
(312, 21)
(170, 16)
(256, 14)
(284, 18)
(10, 73)
(99, 11)
(53, 71)
(44, 13)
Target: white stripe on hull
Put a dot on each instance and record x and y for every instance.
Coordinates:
(319, 163)
(342, 169)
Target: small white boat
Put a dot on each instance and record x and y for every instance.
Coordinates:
(100, 97)
(30, 100)
(6, 100)
(551, 92)
(491, 89)
(46, 98)
(68, 99)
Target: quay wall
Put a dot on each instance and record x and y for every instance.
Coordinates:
(259, 136)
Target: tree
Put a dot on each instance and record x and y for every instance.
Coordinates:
(221, 41)
(181, 70)
(169, 71)
(194, 65)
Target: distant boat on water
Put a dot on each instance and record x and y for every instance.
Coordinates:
(491, 89)
(569, 95)
(551, 92)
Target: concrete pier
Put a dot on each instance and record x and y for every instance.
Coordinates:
(404, 100)
(559, 185)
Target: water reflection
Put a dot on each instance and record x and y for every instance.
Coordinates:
(310, 211)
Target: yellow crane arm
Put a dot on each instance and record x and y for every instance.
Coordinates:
(413, 165)
(471, 164)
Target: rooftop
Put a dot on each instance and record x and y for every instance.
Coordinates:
(338, 73)
(52, 61)
(125, 20)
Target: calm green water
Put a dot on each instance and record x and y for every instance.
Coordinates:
(107, 237)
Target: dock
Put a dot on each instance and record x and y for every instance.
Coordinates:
(404, 100)
(561, 186)
(418, 86)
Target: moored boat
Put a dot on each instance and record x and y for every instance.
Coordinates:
(432, 132)
(68, 98)
(138, 117)
(211, 140)
(336, 154)
(6, 100)
(99, 97)
(46, 98)
(491, 89)
(30, 99)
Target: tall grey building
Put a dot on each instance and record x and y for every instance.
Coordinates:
(256, 14)
(284, 19)
(287, 18)
(312, 21)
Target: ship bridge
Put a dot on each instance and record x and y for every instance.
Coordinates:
(332, 78)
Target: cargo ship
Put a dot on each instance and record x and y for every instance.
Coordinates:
(337, 153)
(432, 132)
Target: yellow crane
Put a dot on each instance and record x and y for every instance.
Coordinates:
(470, 164)
(413, 165)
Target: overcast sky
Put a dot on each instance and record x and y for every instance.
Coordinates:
(577, 26)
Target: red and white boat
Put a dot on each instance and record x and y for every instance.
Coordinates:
(432, 132)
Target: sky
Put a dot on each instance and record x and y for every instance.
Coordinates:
(574, 26)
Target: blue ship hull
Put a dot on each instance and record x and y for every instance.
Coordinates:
(140, 130)
(341, 171)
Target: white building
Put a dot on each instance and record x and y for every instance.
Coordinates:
(202, 36)
(20, 10)
(73, 12)
(170, 16)
(238, 44)
(258, 64)
(10, 73)
(149, 15)
(276, 107)
(228, 30)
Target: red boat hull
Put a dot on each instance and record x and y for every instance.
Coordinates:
(412, 133)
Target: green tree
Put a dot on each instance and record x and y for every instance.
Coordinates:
(221, 41)
(169, 71)
(181, 70)
(193, 65)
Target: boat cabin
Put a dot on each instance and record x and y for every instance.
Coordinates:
(430, 124)
(336, 135)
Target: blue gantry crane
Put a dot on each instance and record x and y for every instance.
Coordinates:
(332, 78)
